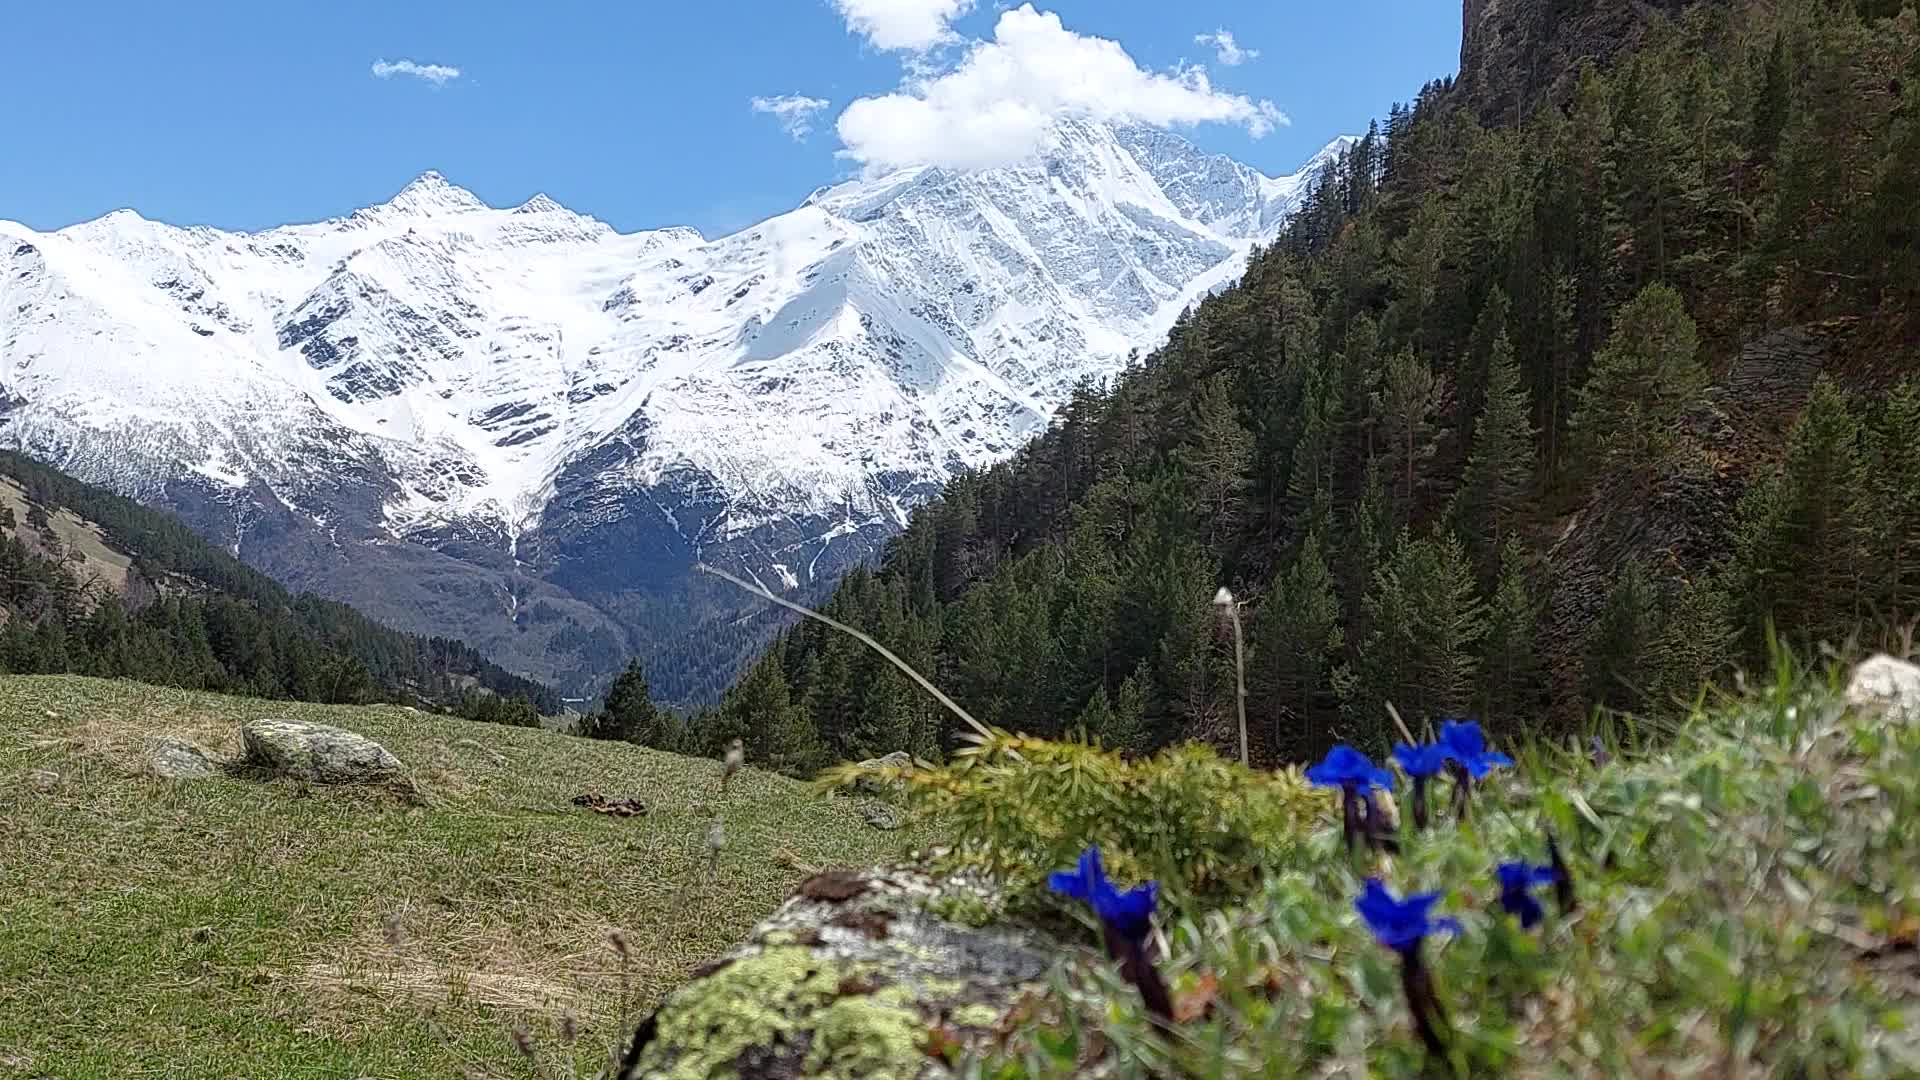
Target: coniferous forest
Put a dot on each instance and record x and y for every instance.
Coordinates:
(195, 617)
(1513, 421)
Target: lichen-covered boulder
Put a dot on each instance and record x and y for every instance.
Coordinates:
(871, 974)
(875, 785)
(1889, 685)
(173, 759)
(318, 753)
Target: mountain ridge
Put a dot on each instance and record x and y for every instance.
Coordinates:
(578, 415)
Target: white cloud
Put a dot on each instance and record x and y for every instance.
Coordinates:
(998, 105)
(794, 111)
(437, 74)
(1225, 49)
(913, 25)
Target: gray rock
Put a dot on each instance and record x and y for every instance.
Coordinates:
(849, 978)
(319, 753)
(899, 759)
(1889, 685)
(173, 759)
(882, 816)
(43, 780)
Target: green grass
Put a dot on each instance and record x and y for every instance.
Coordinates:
(1749, 903)
(243, 928)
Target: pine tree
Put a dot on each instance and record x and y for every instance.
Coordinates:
(1511, 671)
(1621, 670)
(629, 714)
(1896, 504)
(1643, 381)
(1499, 473)
(777, 734)
(1696, 641)
(1216, 456)
(1770, 108)
(1127, 727)
(1295, 641)
(1428, 623)
(1407, 405)
(1803, 541)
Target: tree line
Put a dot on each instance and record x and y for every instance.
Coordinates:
(198, 618)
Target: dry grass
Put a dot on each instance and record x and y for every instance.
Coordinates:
(232, 927)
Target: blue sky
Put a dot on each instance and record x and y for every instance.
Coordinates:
(251, 114)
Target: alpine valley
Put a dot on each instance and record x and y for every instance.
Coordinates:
(521, 428)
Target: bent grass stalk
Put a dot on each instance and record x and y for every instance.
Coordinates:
(762, 591)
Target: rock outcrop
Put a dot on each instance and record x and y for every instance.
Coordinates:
(1517, 54)
(860, 974)
(319, 754)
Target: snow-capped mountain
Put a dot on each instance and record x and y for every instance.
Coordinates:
(520, 427)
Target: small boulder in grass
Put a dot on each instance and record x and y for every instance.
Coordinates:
(1889, 685)
(174, 759)
(319, 754)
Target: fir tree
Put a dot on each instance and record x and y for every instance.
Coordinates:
(1499, 473)
(629, 714)
(1620, 668)
(1643, 380)
(1896, 504)
(1407, 404)
(1804, 530)
(1511, 670)
(1295, 641)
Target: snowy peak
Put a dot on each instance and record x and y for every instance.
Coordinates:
(525, 386)
(431, 195)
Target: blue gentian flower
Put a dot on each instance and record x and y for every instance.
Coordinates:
(1468, 760)
(1517, 880)
(1126, 920)
(1129, 914)
(1356, 776)
(1345, 767)
(1422, 763)
(1401, 925)
(1467, 745)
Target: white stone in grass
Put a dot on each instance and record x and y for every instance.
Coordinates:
(172, 759)
(1889, 685)
(318, 753)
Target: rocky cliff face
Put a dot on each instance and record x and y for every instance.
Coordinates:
(1517, 54)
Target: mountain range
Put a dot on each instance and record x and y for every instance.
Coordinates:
(519, 427)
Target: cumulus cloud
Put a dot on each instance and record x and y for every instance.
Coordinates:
(437, 74)
(794, 111)
(913, 25)
(998, 105)
(1225, 49)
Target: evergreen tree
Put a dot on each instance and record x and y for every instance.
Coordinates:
(1499, 472)
(1216, 456)
(1895, 510)
(1511, 671)
(1295, 641)
(1428, 624)
(1770, 107)
(1643, 380)
(1696, 641)
(629, 714)
(1621, 670)
(776, 734)
(1803, 540)
(1408, 403)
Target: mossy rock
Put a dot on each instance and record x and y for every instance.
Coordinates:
(854, 976)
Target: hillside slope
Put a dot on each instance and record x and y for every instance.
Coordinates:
(1513, 421)
(237, 927)
(98, 584)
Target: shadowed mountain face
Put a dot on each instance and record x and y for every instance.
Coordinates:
(522, 428)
